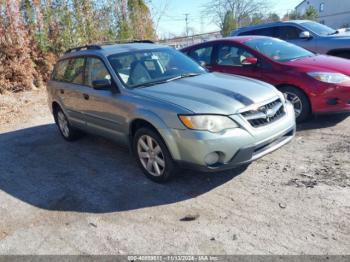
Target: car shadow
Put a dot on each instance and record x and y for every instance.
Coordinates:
(322, 121)
(90, 175)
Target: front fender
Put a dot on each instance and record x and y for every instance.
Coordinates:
(162, 128)
(150, 117)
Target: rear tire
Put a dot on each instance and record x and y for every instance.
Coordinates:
(300, 102)
(153, 156)
(68, 132)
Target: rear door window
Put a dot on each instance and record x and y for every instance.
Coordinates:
(75, 71)
(95, 70)
(269, 31)
(288, 32)
(202, 54)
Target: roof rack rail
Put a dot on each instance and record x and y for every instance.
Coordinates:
(98, 46)
(86, 47)
(142, 41)
(126, 42)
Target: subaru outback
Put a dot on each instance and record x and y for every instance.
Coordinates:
(168, 109)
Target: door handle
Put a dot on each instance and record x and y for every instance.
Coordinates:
(62, 91)
(86, 96)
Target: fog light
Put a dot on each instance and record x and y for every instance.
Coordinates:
(333, 101)
(212, 158)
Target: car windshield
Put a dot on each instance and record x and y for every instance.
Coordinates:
(319, 29)
(150, 67)
(278, 50)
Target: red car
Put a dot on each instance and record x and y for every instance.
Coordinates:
(313, 83)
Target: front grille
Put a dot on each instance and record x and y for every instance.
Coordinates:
(265, 114)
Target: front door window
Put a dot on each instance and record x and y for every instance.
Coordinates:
(229, 55)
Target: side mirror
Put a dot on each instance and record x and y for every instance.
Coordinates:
(103, 84)
(202, 63)
(305, 35)
(250, 61)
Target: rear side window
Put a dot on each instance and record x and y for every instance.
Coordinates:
(202, 54)
(60, 69)
(263, 31)
(95, 70)
(288, 32)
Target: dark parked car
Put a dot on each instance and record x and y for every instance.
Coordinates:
(313, 83)
(310, 35)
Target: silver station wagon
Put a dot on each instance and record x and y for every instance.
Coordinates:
(169, 110)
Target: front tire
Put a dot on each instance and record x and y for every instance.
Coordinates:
(67, 131)
(152, 155)
(299, 100)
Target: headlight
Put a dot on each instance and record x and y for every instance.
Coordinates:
(211, 123)
(332, 78)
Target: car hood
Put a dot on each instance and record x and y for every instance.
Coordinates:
(323, 63)
(212, 93)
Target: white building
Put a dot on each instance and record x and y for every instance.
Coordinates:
(334, 13)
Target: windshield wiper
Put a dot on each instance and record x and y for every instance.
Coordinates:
(182, 76)
(167, 80)
(334, 33)
(150, 84)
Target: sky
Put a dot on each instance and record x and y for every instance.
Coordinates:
(172, 22)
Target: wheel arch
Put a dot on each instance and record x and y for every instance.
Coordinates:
(280, 86)
(157, 125)
(139, 123)
(55, 106)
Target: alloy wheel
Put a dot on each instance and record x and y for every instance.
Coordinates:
(296, 102)
(63, 123)
(151, 155)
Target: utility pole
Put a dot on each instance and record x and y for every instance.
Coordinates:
(202, 24)
(186, 20)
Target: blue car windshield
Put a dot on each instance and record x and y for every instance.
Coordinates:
(150, 67)
(319, 29)
(278, 50)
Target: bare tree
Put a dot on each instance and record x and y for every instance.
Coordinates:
(158, 11)
(242, 10)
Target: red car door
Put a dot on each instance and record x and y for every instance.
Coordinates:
(233, 59)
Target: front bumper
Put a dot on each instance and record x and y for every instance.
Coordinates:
(332, 99)
(236, 147)
(244, 155)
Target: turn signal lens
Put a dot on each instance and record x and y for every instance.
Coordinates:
(186, 121)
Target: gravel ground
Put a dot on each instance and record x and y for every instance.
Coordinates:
(89, 197)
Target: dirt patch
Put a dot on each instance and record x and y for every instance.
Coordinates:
(23, 109)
